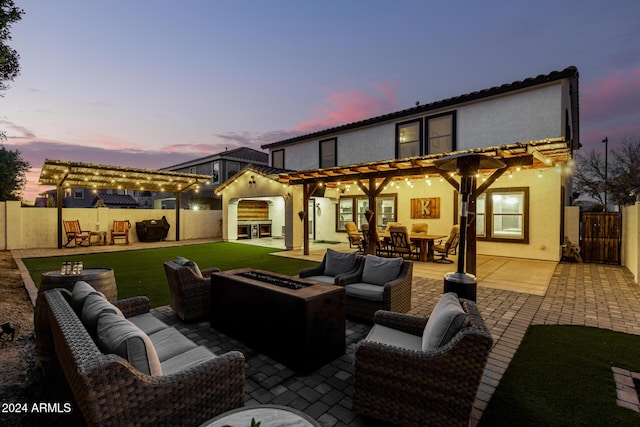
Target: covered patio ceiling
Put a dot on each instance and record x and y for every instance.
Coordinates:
(67, 174)
(527, 155)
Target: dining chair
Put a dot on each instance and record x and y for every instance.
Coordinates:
(401, 244)
(448, 247)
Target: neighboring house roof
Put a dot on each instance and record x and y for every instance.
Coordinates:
(449, 102)
(242, 154)
(116, 200)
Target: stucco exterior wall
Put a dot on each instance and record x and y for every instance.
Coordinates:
(26, 228)
(526, 115)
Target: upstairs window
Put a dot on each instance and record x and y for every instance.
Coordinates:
(441, 133)
(408, 139)
(328, 153)
(277, 159)
(232, 169)
(215, 173)
(78, 193)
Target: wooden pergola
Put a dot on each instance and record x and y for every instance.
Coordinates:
(67, 174)
(373, 177)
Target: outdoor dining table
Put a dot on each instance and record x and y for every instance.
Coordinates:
(424, 241)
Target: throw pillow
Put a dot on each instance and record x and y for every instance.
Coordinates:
(379, 271)
(117, 335)
(94, 305)
(79, 292)
(339, 262)
(181, 261)
(442, 319)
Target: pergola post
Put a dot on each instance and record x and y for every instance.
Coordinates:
(59, 208)
(178, 203)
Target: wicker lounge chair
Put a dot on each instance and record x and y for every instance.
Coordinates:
(190, 289)
(403, 385)
(363, 299)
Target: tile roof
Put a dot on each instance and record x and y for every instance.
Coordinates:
(243, 154)
(473, 96)
(116, 200)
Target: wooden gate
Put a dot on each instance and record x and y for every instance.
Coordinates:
(600, 235)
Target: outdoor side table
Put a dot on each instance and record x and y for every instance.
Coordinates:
(101, 237)
(266, 415)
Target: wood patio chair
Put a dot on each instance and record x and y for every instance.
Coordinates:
(75, 233)
(120, 230)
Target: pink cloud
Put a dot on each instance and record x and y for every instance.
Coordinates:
(610, 106)
(350, 106)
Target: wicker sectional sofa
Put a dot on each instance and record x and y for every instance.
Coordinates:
(176, 382)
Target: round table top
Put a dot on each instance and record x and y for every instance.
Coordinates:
(266, 415)
(86, 272)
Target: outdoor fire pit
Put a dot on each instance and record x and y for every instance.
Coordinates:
(297, 322)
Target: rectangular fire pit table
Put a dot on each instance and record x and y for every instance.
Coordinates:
(297, 322)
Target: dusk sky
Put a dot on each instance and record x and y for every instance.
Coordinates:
(154, 83)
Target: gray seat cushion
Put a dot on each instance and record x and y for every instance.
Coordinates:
(379, 271)
(169, 343)
(385, 335)
(148, 323)
(445, 321)
(323, 279)
(187, 360)
(339, 262)
(365, 291)
(117, 335)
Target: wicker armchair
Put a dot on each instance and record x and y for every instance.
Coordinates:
(109, 391)
(319, 272)
(190, 292)
(412, 387)
(396, 294)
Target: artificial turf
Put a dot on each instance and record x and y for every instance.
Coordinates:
(141, 272)
(561, 376)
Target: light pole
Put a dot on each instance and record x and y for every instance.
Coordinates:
(606, 162)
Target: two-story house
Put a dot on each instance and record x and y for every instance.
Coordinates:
(220, 166)
(532, 125)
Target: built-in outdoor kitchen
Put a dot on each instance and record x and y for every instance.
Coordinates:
(253, 219)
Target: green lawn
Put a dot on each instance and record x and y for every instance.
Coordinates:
(561, 376)
(141, 272)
